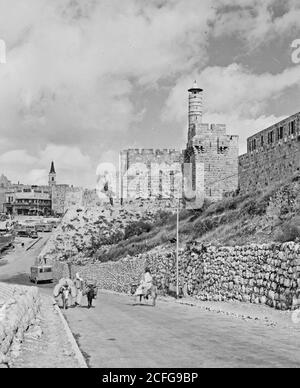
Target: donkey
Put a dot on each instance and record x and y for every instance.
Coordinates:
(65, 293)
(152, 293)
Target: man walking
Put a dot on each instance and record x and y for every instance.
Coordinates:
(78, 282)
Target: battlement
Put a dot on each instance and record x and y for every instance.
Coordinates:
(150, 151)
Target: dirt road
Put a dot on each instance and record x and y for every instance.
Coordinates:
(118, 333)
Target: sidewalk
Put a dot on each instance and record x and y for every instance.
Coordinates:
(47, 345)
(246, 311)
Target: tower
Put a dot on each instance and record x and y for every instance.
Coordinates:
(211, 154)
(52, 175)
(195, 109)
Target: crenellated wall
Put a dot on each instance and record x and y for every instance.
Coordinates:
(146, 173)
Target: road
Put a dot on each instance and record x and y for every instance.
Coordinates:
(15, 263)
(119, 333)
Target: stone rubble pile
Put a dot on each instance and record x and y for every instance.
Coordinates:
(84, 228)
(261, 274)
(19, 307)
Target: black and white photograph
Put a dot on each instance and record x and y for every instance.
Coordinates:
(149, 187)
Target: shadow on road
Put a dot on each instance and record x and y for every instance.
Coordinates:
(23, 280)
(139, 304)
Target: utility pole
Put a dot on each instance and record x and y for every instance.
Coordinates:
(177, 252)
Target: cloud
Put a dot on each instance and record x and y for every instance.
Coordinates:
(234, 96)
(256, 22)
(72, 166)
(74, 67)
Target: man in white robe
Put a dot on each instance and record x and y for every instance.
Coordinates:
(146, 283)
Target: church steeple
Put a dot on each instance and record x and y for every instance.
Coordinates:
(52, 175)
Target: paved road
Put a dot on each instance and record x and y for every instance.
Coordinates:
(15, 263)
(118, 333)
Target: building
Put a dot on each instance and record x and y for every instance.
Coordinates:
(212, 153)
(52, 176)
(19, 199)
(272, 155)
(5, 184)
(149, 173)
(28, 200)
(207, 168)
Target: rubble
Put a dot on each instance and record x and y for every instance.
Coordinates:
(83, 230)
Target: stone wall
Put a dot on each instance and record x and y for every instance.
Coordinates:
(266, 274)
(272, 156)
(19, 307)
(150, 173)
(2, 198)
(64, 196)
(218, 152)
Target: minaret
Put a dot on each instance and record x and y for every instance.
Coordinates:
(195, 109)
(52, 175)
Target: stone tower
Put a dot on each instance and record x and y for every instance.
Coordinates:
(195, 109)
(52, 175)
(211, 153)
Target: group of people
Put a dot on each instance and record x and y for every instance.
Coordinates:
(77, 288)
(85, 288)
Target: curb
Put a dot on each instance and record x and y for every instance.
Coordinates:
(78, 354)
(34, 243)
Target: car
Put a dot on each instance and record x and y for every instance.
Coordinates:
(27, 233)
(33, 234)
(23, 233)
(41, 273)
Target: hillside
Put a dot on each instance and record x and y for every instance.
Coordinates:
(273, 216)
(109, 234)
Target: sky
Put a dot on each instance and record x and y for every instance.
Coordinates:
(84, 79)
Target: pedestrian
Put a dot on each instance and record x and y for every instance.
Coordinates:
(91, 294)
(78, 282)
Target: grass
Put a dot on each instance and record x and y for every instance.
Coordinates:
(239, 220)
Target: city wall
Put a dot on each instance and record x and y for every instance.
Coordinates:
(19, 307)
(260, 274)
(273, 155)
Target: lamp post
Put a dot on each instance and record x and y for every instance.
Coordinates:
(177, 252)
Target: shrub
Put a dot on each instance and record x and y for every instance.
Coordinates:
(137, 228)
(290, 231)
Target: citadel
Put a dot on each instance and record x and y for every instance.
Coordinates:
(208, 168)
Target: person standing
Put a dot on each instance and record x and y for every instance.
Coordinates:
(78, 282)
